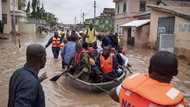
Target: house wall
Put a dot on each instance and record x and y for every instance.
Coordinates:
(154, 26)
(182, 41)
(6, 10)
(125, 17)
(26, 28)
(132, 8)
(182, 32)
(142, 35)
(0, 10)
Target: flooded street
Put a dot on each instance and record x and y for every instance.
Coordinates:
(60, 94)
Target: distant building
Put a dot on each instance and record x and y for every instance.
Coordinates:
(7, 13)
(104, 23)
(109, 12)
(170, 28)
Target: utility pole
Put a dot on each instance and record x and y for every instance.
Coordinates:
(14, 19)
(83, 17)
(75, 20)
(94, 11)
(14, 23)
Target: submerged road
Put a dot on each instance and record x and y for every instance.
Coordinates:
(60, 94)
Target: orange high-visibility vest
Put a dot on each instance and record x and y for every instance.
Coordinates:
(106, 64)
(139, 90)
(56, 42)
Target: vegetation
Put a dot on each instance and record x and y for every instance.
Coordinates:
(39, 13)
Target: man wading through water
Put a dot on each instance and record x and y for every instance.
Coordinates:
(91, 36)
(25, 89)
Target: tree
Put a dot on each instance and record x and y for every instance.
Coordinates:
(38, 12)
(35, 4)
(28, 9)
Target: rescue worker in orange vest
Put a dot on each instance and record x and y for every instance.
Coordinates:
(106, 64)
(55, 41)
(153, 89)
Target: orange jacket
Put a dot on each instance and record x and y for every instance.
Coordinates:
(139, 90)
(106, 64)
(56, 42)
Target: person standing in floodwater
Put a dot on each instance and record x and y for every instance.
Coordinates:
(68, 51)
(56, 43)
(25, 89)
(91, 36)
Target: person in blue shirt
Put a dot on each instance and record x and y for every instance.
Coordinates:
(68, 51)
(25, 89)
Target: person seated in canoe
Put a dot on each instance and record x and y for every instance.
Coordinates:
(82, 62)
(121, 57)
(107, 64)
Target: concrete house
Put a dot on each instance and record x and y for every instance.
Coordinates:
(7, 12)
(170, 28)
(132, 20)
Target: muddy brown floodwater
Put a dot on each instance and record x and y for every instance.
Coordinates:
(60, 94)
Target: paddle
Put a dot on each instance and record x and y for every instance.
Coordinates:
(129, 70)
(56, 77)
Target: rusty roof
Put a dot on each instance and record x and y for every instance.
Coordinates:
(170, 10)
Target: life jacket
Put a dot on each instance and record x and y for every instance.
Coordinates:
(91, 36)
(106, 65)
(139, 90)
(56, 42)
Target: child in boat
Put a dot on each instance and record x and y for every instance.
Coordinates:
(82, 62)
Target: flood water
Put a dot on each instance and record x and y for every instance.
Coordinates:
(60, 94)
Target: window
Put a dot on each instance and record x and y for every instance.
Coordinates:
(124, 7)
(4, 17)
(142, 6)
(4, 0)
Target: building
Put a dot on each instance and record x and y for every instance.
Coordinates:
(130, 13)
(104, 23)
(127, 16)
(7, 13)
(170, 28)
(109, 12)
(1, 29)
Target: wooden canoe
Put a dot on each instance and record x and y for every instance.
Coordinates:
(93, 87)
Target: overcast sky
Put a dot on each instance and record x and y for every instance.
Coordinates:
(66, 10)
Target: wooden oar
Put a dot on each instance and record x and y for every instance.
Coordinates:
(129, 70)
(56, 77)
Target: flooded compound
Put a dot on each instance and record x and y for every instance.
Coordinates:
(60, 94)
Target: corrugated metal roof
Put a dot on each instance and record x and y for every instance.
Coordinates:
(136, 23)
